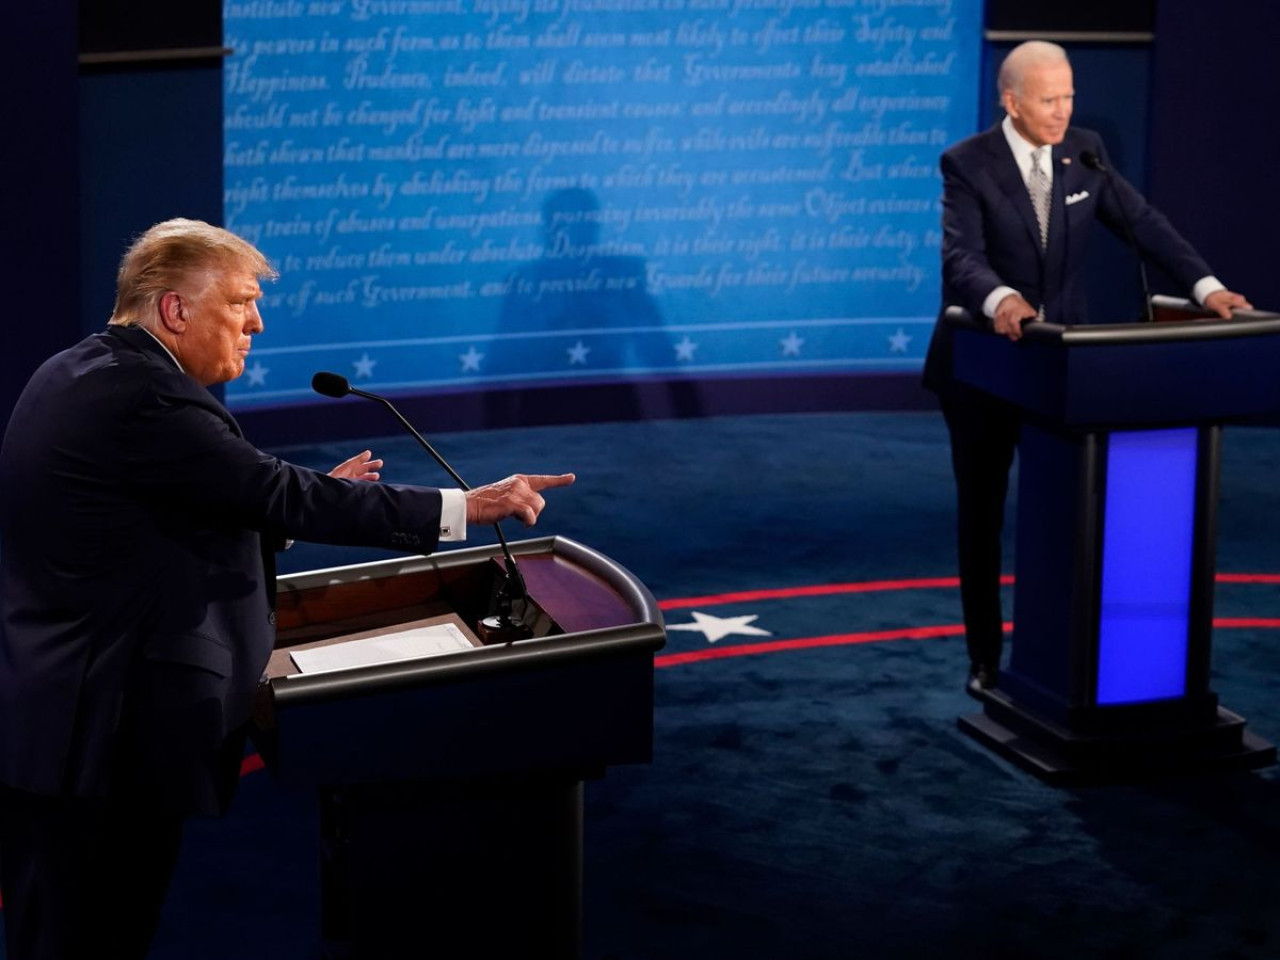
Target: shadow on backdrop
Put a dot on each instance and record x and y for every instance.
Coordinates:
(598, 298)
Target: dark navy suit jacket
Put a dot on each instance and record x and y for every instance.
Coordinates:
(991, 237)
(136, 580)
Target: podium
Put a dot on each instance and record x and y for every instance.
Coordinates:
(450, 786)
(1108, 676)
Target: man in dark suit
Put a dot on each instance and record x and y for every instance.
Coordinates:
(1019, 206)
(137, 584)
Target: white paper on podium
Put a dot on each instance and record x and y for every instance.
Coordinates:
(387, 648)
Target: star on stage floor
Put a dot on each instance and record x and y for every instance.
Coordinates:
(717, 628)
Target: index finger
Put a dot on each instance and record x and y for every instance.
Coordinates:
(542, 481)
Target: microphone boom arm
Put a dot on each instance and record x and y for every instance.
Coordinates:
(1094, 162)
(513, 587)
(416, 435)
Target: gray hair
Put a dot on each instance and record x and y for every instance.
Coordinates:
(1033, 53)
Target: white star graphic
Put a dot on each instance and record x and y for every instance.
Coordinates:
(717, 628)
(258, 374)
(578, 353)
(791, 345)
(898, 342)
(364, 366)
(685, 348)
(471, 359)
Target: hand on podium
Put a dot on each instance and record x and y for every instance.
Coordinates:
(1223, 302)
(1010, 313)
(516, 496)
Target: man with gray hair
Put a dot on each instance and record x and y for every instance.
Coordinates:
(1019, 205)
(137, 584)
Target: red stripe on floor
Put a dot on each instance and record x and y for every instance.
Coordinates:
(817, 590)
(910, 633)
(804, 643)
(878, 586)
(254, 762)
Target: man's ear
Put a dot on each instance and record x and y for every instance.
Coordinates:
(172, 315)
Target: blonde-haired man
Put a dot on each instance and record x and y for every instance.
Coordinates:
(137, 584)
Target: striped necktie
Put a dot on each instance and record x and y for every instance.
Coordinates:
(1041, 195)
(1038, 185)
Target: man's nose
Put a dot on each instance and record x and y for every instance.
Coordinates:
(255, 324)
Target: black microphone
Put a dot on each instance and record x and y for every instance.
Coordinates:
(1094, 162)
(502, 626)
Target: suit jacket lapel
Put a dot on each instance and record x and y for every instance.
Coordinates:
(1068, 176)
(1009, 178)
(1058, 205)
(142, 340)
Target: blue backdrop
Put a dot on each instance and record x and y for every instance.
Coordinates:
(486, 193)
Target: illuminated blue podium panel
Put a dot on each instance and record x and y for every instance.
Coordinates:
(1117, 498)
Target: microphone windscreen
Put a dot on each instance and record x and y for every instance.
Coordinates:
(330, 384)
(1091, 160)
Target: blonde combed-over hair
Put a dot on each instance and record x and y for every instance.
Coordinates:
(170, 252)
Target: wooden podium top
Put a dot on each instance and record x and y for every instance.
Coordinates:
(578, 694)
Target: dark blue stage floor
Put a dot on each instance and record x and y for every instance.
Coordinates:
(817, 800)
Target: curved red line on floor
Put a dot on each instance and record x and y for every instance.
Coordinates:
(877, 586)
(253, 762)
(877, 636)
(802, 643)
(816, 590)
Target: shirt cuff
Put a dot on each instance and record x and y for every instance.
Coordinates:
(993, 300)
(1206, 286)
(453, 515)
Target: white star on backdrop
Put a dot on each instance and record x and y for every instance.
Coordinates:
(364, 366)
(471, 359)
(258, 374)
(898, 342)
(717, 628)
(578, 353)
(791, 345)
(685, 348)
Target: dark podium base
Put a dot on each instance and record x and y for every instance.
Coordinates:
(1062, 757)
(489, 870)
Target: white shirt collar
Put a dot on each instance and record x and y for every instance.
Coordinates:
(1022, 151)
(162, 346)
